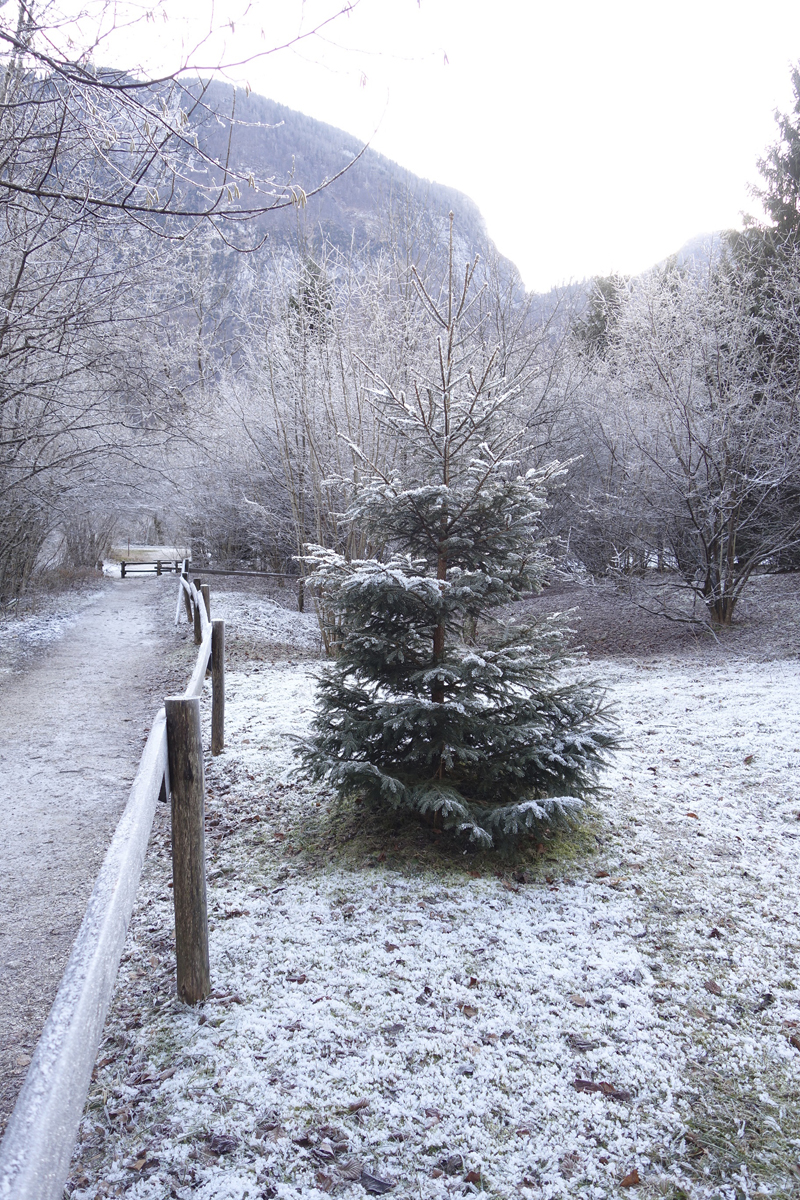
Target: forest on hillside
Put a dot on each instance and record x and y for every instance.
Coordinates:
(163, 376)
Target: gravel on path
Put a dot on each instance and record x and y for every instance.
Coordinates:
(73, 721)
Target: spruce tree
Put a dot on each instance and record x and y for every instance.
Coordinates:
(438, 701)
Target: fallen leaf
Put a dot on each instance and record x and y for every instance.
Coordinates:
(334, 1134)
(631, 1179)
(296, 978)
(472, 1177)
(748, 758)
(569, 1165)
(453, 1165)
(350, 1170)
(601, 874)
(326, 1183)
(221, 1143)
(766, 1000)
(389, 947)
(580, 1043)
(712, 987)
(357, 1105)
(608, 1089)
(468, 1010)
(605, 1089)
(604, 1160)
(436, 1173)
(23, 1060)
(794, 1040)
(715, 933)
(691, 814)
(578, 1001)
(473, 982)
(374, 1184)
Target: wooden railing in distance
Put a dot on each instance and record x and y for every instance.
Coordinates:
(158, 566)
(36, 1150)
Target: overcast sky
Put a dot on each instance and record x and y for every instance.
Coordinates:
(594, 135)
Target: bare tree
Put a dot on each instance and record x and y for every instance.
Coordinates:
(108, 341)
(78, 138)
(700, 450)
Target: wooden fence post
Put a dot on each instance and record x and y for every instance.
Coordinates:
(122, 569)
(217, 687)
(158, 566)
(198, 628)
(186, 600)
(205, 592)
(301, 594)
(185, 756)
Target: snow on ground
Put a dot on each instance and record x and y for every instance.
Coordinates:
(632, 1015)
(22, 635)
(260, 620)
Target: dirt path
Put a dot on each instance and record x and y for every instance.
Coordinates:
(72, 727)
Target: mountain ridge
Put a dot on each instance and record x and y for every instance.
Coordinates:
(365, 204)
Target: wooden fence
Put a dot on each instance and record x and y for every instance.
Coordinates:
(158, 566)
(36, 1150)
(162, 566)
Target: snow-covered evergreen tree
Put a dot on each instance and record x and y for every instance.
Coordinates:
(438, 702)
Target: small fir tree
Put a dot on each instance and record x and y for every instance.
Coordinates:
(437, 702)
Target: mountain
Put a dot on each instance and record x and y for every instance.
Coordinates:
(368, 204)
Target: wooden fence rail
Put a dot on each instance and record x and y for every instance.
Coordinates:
(158, 566)
(164, 566)
(37, 1147)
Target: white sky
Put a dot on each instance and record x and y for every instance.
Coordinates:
(594, 135)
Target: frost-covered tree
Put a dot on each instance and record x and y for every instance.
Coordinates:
(438, 702)
(695, 429)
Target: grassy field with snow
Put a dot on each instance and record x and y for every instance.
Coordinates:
(616, 1012)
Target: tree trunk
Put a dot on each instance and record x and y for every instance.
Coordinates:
(437, 691)
(721, 610)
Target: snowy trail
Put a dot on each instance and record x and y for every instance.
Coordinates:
(72, 726)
